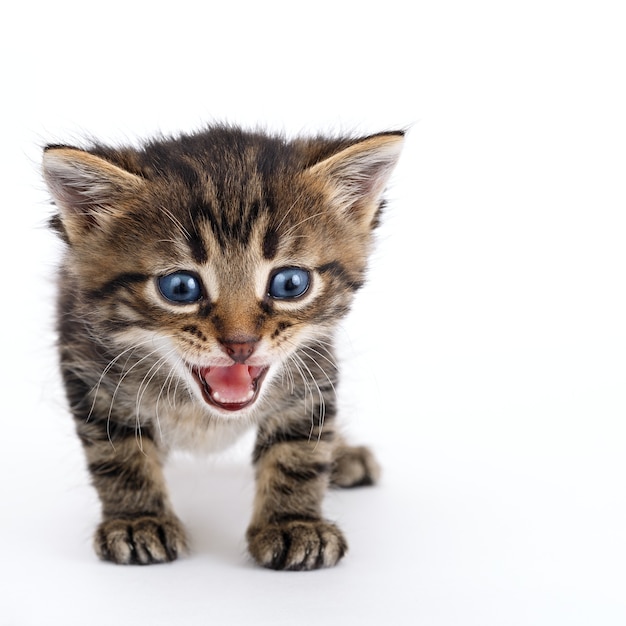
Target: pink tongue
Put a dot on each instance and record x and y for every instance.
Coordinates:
(230, 385)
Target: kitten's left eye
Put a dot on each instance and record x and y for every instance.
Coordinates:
(289, 282)
(180, 287)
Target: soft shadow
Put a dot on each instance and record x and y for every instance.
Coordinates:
(213, 498)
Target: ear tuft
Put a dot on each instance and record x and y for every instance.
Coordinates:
(356, 176)
(87, 189)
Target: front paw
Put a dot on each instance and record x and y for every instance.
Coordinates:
(140, 540)
(296, 544)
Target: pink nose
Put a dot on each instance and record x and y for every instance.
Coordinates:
(239, 351)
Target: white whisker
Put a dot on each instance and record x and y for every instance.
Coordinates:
(94, 390)
(175, 221)
(143, 386)
(288, 211)
(306, 219)
(317, 356)
(117, 388)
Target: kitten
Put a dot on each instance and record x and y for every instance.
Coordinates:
(202, 280)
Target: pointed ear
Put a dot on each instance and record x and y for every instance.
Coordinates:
(356, 176)
(88, 190)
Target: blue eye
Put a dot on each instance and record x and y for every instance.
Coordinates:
(180, 287)
(288, 282)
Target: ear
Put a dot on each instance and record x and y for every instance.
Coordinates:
(88, 190)
(356, 176)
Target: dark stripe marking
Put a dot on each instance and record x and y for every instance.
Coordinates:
(270, 243)
(306, 472)
(126, 478)
(197, 248)
(95, 429)
(286, 518)
(308, 435)
(123, 281)
(337, 270)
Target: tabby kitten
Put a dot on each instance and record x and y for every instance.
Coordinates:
(202, 280)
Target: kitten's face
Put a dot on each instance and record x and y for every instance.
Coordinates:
(227, 322)
(221, 260)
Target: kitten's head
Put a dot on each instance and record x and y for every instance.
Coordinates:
(223, 252)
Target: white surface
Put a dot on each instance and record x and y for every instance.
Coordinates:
(485, 362)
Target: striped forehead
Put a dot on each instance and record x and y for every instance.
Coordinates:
(239, 263)
(249, 233)
(229, 263)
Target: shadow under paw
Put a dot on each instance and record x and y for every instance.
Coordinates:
(140, 541)
(297, 545)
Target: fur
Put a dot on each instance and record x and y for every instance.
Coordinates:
(230, 209)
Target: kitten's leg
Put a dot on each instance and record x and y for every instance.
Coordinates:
(353, 466)
(138, 525)
(287, 530)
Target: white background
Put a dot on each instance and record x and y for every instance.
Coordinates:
(485, 362)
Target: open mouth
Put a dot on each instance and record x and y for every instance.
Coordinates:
(230, 388)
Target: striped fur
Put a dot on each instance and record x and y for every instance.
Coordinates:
(231, 208)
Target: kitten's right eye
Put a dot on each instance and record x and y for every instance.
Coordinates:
(180, 287)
